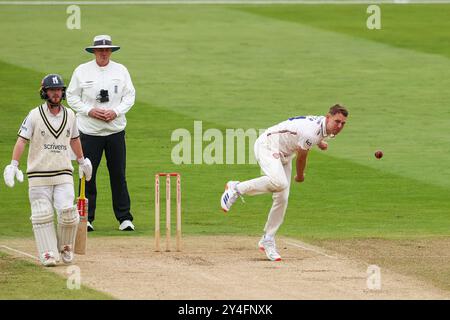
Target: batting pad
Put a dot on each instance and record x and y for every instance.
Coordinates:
(43, 227)
(67, 227)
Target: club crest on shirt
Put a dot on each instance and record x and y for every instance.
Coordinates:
(68, 133)
(276, 155)
(42, 133)
(309, 143)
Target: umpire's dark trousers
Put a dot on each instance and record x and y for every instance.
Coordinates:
(115, 152)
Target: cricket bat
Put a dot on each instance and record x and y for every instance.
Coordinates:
(82, 206)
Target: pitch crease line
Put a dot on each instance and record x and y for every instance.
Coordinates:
(20, 252)
(309, 249)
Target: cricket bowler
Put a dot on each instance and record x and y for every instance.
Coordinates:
(51, 131)
(274, 151)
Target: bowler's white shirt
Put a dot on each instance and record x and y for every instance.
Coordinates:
(87, 81)
(299, 132)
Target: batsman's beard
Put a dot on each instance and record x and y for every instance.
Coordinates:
(54, 104)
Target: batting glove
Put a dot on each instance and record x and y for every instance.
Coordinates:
(85, 168)
(12, 170)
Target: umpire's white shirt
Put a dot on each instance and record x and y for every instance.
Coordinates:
(87, 81)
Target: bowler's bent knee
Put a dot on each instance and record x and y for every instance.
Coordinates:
(279, 184)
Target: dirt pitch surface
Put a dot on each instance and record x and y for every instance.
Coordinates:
(229, 267)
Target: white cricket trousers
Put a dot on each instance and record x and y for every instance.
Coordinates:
(277, 180)
(62, 196)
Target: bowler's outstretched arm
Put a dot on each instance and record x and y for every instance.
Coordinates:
(301, 164)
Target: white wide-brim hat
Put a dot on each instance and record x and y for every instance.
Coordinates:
(102, 41)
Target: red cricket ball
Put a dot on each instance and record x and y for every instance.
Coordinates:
(379, 154)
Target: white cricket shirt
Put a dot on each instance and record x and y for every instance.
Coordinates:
(299, 132)
(84, 88)
(49, 135)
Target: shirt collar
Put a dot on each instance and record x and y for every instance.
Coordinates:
(48, 112)
(102, 68)
(324, 127)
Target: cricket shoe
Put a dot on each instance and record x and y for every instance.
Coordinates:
(126, 225)
(90, 227)
(269, 248)
(67, 254)
(48, 259)
(229, 196)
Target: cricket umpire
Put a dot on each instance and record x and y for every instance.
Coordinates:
(101, 93)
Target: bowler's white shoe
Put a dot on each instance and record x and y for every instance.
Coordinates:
(229, 196)
(269, 247)
(126, 225)
(67, 254)
(48, 259)
(90, 227)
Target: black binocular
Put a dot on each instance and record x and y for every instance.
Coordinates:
(103, 96)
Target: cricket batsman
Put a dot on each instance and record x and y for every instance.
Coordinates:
(274, 151)
(51, 131)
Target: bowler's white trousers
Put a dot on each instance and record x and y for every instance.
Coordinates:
(277, 179)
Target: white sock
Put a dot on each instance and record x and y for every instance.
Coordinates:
(269, 237)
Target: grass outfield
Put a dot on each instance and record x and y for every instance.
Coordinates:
(24, 280)
(251, 67)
